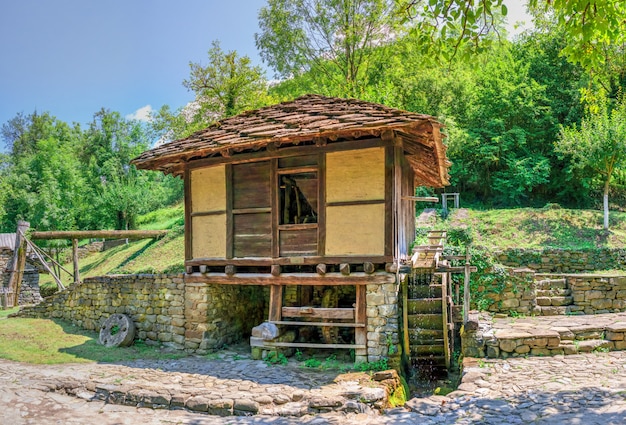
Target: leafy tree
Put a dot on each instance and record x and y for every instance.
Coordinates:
(590, 26)
(335, 38)
(227, 86)
(598, 144)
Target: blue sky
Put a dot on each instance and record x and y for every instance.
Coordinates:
(73, 57)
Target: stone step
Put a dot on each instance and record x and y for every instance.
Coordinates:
(554, 292)
(551, 284)
(554, 301)
(590, 345)
(424, 305)
(425, 321)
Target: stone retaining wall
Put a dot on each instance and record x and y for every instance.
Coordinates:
(29, 290)
(552, 260)
(191, 316)
(527, 293)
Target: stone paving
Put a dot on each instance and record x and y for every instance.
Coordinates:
(577, 389)
(502, 336)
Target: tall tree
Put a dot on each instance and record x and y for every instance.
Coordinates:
(598, 144)
(336, 38)
(228, 85)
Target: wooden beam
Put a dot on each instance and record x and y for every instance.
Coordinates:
(285, 261)
(275, 270)
(368, 267)
(344, 268)
(308, 345)
(318, 312)
(313, 279)
(230, 270)
(321, 269)
(331, 324)
(103, 234)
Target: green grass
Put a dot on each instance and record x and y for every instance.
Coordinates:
(5, 313)
(43, 341)
(551, 226)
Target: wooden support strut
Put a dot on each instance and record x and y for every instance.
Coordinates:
(19, 260)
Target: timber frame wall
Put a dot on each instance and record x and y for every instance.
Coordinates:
(269, 248)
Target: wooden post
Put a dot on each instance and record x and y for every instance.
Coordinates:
(275, 270)
(360, 316)
(466, 287)
(19, 260)
(276, 303)
(369, 268)
(75, 257)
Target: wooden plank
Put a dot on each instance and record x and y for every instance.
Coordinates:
(295, 162)
(252, 234)
(318, 312)
(276, 302)
(309, 345)
(75, 260)
(331, 324)
(444, 309)
(298, 242)
(251, 185)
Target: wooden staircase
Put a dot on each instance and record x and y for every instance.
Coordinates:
(427, 308)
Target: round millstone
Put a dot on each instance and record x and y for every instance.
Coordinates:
(117, 331)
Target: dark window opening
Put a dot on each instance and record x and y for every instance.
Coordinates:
(298, 198)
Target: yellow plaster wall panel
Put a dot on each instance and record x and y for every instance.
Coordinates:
(208, 189)
(355, 175)
(209, 236)
(355, 230)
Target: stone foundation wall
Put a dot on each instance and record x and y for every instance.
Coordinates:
(165, 309)
(527, 293)
(562, 260)
(383, 334)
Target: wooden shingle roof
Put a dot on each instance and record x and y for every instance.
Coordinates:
(307, 120)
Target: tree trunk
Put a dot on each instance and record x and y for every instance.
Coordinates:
(606, 204)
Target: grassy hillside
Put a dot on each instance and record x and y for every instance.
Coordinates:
(551, 226)
(165, 255)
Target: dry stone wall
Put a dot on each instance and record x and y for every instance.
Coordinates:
(191, 316)
(527, 293)
(552, 260)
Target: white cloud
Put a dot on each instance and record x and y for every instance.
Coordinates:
(141, 114)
